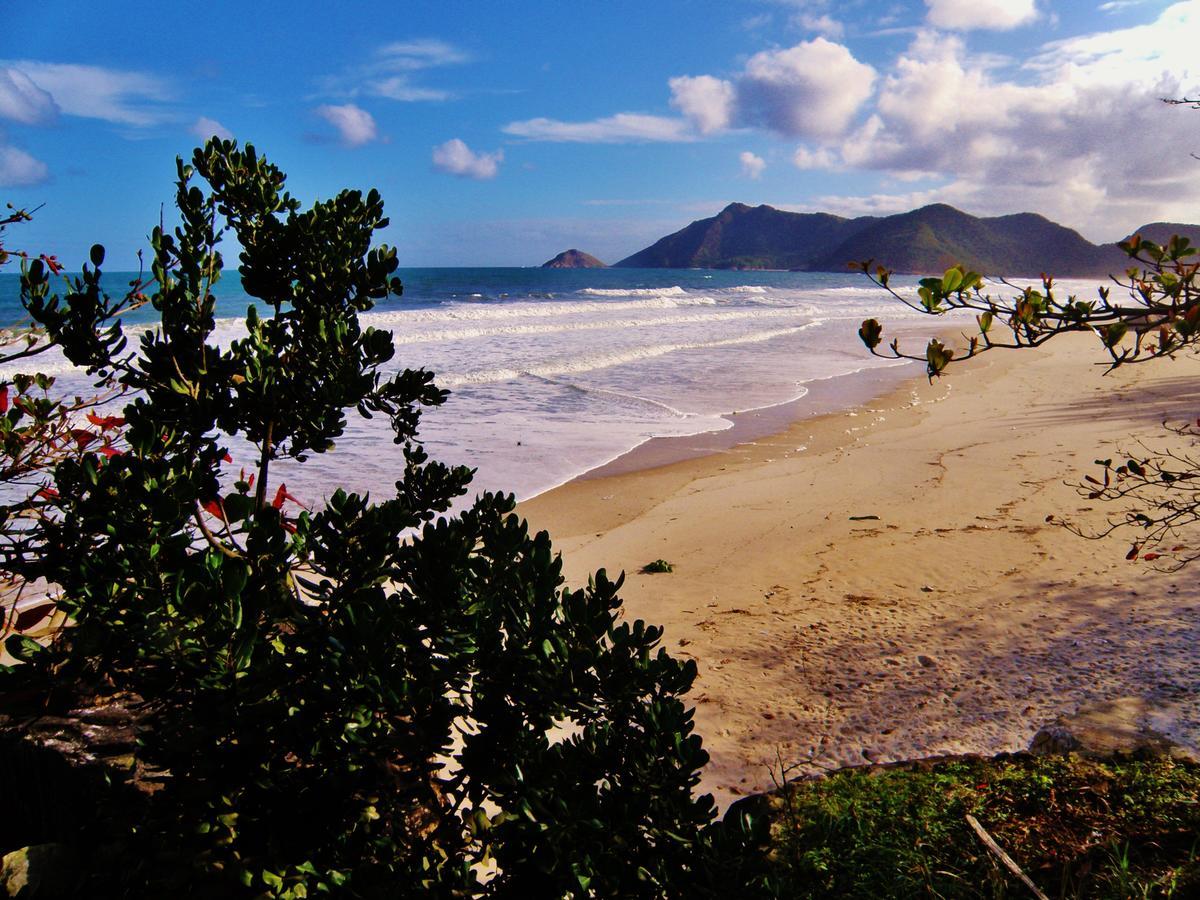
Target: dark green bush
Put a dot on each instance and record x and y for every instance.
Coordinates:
(370, 698)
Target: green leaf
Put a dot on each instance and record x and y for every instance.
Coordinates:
(938, 357)
(1112, 334)
(871, 333)
(952, 280)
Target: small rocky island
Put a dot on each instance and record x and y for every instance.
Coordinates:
(574, 259)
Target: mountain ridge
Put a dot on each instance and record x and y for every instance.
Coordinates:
(926, 240)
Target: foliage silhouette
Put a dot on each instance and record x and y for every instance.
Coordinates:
(372, 698)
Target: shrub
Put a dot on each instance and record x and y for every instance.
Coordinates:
(371, 697)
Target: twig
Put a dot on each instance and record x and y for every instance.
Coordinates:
(995, 848)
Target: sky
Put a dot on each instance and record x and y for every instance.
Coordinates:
(500, 133)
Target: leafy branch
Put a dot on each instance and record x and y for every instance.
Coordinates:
(1160, 317)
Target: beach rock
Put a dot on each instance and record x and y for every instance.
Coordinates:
(72, 772)
(1053, 739)
(43, 871)
(1126, 725)
(927, 662)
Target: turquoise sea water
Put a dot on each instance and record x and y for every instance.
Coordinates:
(554, 372)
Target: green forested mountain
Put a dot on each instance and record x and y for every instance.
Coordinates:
(929, 239)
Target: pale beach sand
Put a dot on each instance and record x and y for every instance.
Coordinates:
(959, 621)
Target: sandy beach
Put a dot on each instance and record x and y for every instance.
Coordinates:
(959, 620)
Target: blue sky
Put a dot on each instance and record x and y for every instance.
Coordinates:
(501, 133)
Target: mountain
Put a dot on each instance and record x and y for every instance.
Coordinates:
(574, 259)
(933, 238)
(925, 240)
(745, 237)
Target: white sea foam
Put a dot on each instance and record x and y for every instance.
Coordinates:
(588, 363)
(522, 310)
(672, 291)
(737, 315)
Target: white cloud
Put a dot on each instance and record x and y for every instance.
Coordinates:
(752, 165)
(456, 158)
(824, 24)
(19, 169)
(204, 128)
(389, 71)
(354, 125)
(874, 204)
(1161, 50)
(425, 53)
(812, 89)
(1076, 133)
(400, 88)
(23, 101)
(126, 98)
(707, 101)
(821, 158)
(619, 129)
(963, 15)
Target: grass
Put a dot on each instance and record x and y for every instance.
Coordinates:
(1080, 828)
(658, 566)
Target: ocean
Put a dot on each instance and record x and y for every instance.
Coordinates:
(553, 373)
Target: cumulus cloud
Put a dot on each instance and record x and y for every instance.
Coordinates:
(752, 164)
(707, 101)
(1077, 133)
(618, 129)
(821, 158)
(204, 128)
(997, 15)
(354, 125)
(456, 158)
(23, 101)
(19, 169)
(812, 89)
(93, 92)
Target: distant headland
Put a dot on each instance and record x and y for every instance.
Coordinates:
(574, 259)
(925, 240)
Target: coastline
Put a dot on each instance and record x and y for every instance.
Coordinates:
(823, 396)
(957, 621)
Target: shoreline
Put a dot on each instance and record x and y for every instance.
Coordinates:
(957, 621)
(823, 396)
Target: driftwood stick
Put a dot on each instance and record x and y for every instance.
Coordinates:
(996, 849)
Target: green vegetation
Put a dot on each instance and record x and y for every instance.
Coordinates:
(657, 567)
(1114, 828)
(370, 698)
